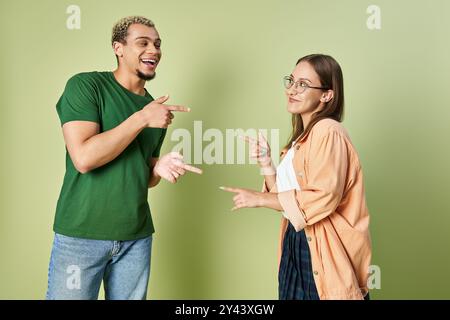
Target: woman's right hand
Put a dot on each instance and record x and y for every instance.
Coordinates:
(260, 150)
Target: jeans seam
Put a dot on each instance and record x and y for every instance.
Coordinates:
(115, 249)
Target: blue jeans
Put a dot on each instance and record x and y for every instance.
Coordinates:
(78, 266)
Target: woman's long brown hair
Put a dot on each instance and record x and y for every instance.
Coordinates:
(330, 76)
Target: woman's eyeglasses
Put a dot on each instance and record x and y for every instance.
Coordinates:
(300, 86)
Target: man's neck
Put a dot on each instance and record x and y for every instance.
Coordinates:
(131, 82)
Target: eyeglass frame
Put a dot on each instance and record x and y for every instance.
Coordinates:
(297, 84)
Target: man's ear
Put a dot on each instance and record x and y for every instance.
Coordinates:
(118, 48)
(327, 96)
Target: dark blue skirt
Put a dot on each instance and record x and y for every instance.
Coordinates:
(295, 277)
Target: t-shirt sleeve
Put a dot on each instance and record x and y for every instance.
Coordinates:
(78, 101)
(157, 150)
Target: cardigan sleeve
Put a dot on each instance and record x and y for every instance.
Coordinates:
(325, 176)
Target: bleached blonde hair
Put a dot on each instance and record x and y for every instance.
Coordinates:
(120, 29)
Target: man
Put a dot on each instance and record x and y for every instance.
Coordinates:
(113, 130)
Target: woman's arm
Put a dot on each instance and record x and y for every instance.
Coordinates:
(270, 200)
(260, 151)
(323, 189)
(270, 181)
(246, 198)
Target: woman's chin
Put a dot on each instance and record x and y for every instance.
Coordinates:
(292, 109)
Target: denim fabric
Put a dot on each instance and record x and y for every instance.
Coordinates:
(78, 266)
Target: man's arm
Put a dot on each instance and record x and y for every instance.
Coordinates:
(90, 149)
(154, 177)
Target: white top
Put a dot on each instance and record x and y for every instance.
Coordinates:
(286, 178)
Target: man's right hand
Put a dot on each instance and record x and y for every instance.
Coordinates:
(156, 114)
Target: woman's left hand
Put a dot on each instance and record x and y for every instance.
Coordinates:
(244, 198)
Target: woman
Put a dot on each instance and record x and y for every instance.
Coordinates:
(325, 247)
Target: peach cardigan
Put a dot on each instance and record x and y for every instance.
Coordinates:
(331, 207)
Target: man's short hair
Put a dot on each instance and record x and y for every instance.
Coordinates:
(120, 29)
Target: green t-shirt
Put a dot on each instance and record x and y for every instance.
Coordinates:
(110, 202)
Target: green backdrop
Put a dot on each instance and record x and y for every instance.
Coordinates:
(225, 60)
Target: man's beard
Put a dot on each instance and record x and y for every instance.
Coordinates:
(145, 77)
